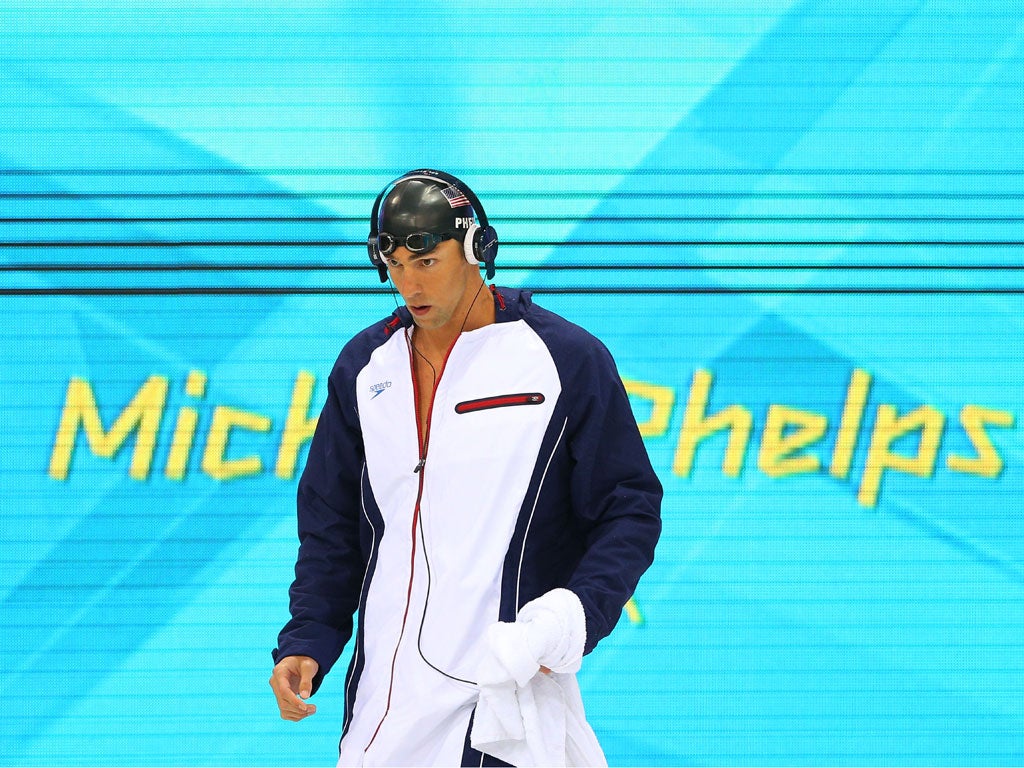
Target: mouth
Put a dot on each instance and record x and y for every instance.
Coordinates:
(420, 310)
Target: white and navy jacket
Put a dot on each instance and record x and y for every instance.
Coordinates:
(534, 477)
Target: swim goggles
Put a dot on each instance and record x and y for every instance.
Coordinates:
(417, 242)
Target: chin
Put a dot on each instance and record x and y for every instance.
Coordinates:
(427, 323)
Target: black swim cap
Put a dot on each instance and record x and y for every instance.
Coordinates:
(421, 204)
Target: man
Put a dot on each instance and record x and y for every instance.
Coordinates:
(476, 461)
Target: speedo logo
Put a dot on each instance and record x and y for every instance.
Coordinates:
(379, 387)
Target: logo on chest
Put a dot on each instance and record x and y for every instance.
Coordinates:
(379, 387)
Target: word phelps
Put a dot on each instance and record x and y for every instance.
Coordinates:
(785, 447)
(789, 434)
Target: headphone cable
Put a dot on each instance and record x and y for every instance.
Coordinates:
(423, 540)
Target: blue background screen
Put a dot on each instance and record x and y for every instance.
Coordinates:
(796, 225)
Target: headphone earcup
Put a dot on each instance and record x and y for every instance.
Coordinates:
(376, 259)
(371, 247)
(485, 244)
(485, 247)
(469, 244)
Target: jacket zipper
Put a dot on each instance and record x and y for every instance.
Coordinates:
(423, 441)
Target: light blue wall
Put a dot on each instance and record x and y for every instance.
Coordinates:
(783, 195)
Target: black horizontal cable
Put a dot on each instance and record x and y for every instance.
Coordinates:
(199, 219)
(496, 219)
(338, 171)
(559, 195)
(740, 84)
(506, 266)
(508, 243)
(563, 290)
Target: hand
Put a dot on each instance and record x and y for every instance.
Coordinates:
(292, 681)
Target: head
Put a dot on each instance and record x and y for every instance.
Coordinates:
(423, 209)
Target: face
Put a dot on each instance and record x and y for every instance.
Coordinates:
(437, 287)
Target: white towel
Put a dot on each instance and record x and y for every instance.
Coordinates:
(526, 717)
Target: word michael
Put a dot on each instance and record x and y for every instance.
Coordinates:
(144, 415)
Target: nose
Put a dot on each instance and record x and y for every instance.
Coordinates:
(406, 283)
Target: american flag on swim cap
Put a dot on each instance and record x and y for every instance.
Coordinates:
(456, 199)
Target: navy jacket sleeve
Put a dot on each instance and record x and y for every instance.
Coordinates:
(330, 565)
(615, 491)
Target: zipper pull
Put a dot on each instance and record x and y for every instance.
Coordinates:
(419, 466)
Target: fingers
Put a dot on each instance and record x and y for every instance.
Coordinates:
(308, 709)
(299, 710)
(307, 670)
(292, 681)
(291, 706)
